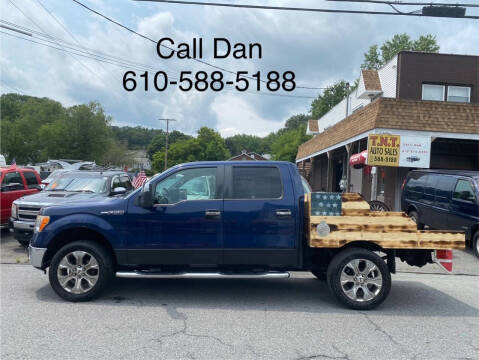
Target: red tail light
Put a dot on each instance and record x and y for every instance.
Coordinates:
(444, 259)
(403, 184)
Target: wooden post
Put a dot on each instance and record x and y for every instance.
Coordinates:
(348, 167)
(328, 172)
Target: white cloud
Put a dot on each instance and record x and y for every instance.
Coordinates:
(319, 48)
(237, 116)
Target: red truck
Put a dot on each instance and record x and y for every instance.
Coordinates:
(16, 182)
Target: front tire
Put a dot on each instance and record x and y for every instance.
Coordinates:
(80, 270)
(415, 217)
(359, 279)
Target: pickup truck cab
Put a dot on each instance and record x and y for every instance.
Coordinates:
(207, 219)
(15, 183)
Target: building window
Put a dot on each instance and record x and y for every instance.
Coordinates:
(459, 93)
(433, 92)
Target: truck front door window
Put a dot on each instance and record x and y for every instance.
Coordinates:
(188, 184)
(12, 181)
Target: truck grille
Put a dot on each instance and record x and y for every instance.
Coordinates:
(28, 213)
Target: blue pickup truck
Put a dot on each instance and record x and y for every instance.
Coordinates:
(242, 219)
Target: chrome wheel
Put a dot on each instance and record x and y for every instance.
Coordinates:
(378, 206)
(78, 272)
(361, 280)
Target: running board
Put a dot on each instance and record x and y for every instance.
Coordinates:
(198, 275)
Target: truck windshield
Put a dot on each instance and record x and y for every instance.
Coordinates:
(97, 184)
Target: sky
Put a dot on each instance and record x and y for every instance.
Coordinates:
(319, 48)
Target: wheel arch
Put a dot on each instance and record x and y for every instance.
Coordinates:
(390, 253)
(472, 232)
(412, 207)
(364, 245)
(75, 234)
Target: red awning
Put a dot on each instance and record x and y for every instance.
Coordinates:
(359, 159)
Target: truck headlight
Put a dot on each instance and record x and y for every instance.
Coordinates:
(41, 222)
(14, 213)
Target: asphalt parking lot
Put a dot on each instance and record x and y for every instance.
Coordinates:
(427, 315)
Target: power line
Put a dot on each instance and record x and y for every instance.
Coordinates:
(38, 26)
(77, 53)
(86, 50)
(284, 8)
(170, 48)
(16, 30)
(90, 53)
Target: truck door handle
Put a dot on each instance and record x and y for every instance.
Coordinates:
(212, 213)
(283, 212)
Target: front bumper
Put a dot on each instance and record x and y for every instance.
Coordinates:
(22, 230)
(36, 256)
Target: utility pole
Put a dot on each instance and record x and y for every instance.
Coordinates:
(166, 144)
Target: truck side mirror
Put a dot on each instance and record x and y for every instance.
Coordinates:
(118, 190)
(145, 199)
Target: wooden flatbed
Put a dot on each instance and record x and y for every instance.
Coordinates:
(390, 230)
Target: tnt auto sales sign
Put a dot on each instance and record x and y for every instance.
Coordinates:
(396, 150)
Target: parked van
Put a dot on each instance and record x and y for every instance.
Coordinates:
(444, 200)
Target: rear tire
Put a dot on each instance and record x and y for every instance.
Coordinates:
(415, 217)
(475, 244)
(359, 279)
(80, 270)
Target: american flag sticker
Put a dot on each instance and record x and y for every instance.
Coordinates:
(326, 204)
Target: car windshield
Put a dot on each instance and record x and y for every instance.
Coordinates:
(93, 184)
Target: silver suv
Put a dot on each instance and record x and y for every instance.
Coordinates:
(72, 186)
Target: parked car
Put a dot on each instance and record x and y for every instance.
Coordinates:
(227, 219)
(66, 167)
(67, 187)
(15, 183)
(444, 200)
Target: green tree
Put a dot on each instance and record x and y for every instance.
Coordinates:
(296, 121)
(137, 137)
(212, 144)
(331, 96)
(285, 146)
(22, 117)
(207, 146)
(87, 132)
(238, 143)
(159, 141)
(377, 57)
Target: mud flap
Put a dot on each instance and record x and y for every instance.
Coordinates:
(444, 259)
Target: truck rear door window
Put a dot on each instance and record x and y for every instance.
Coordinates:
(256, 183)
(443, 190)
(31, 179)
